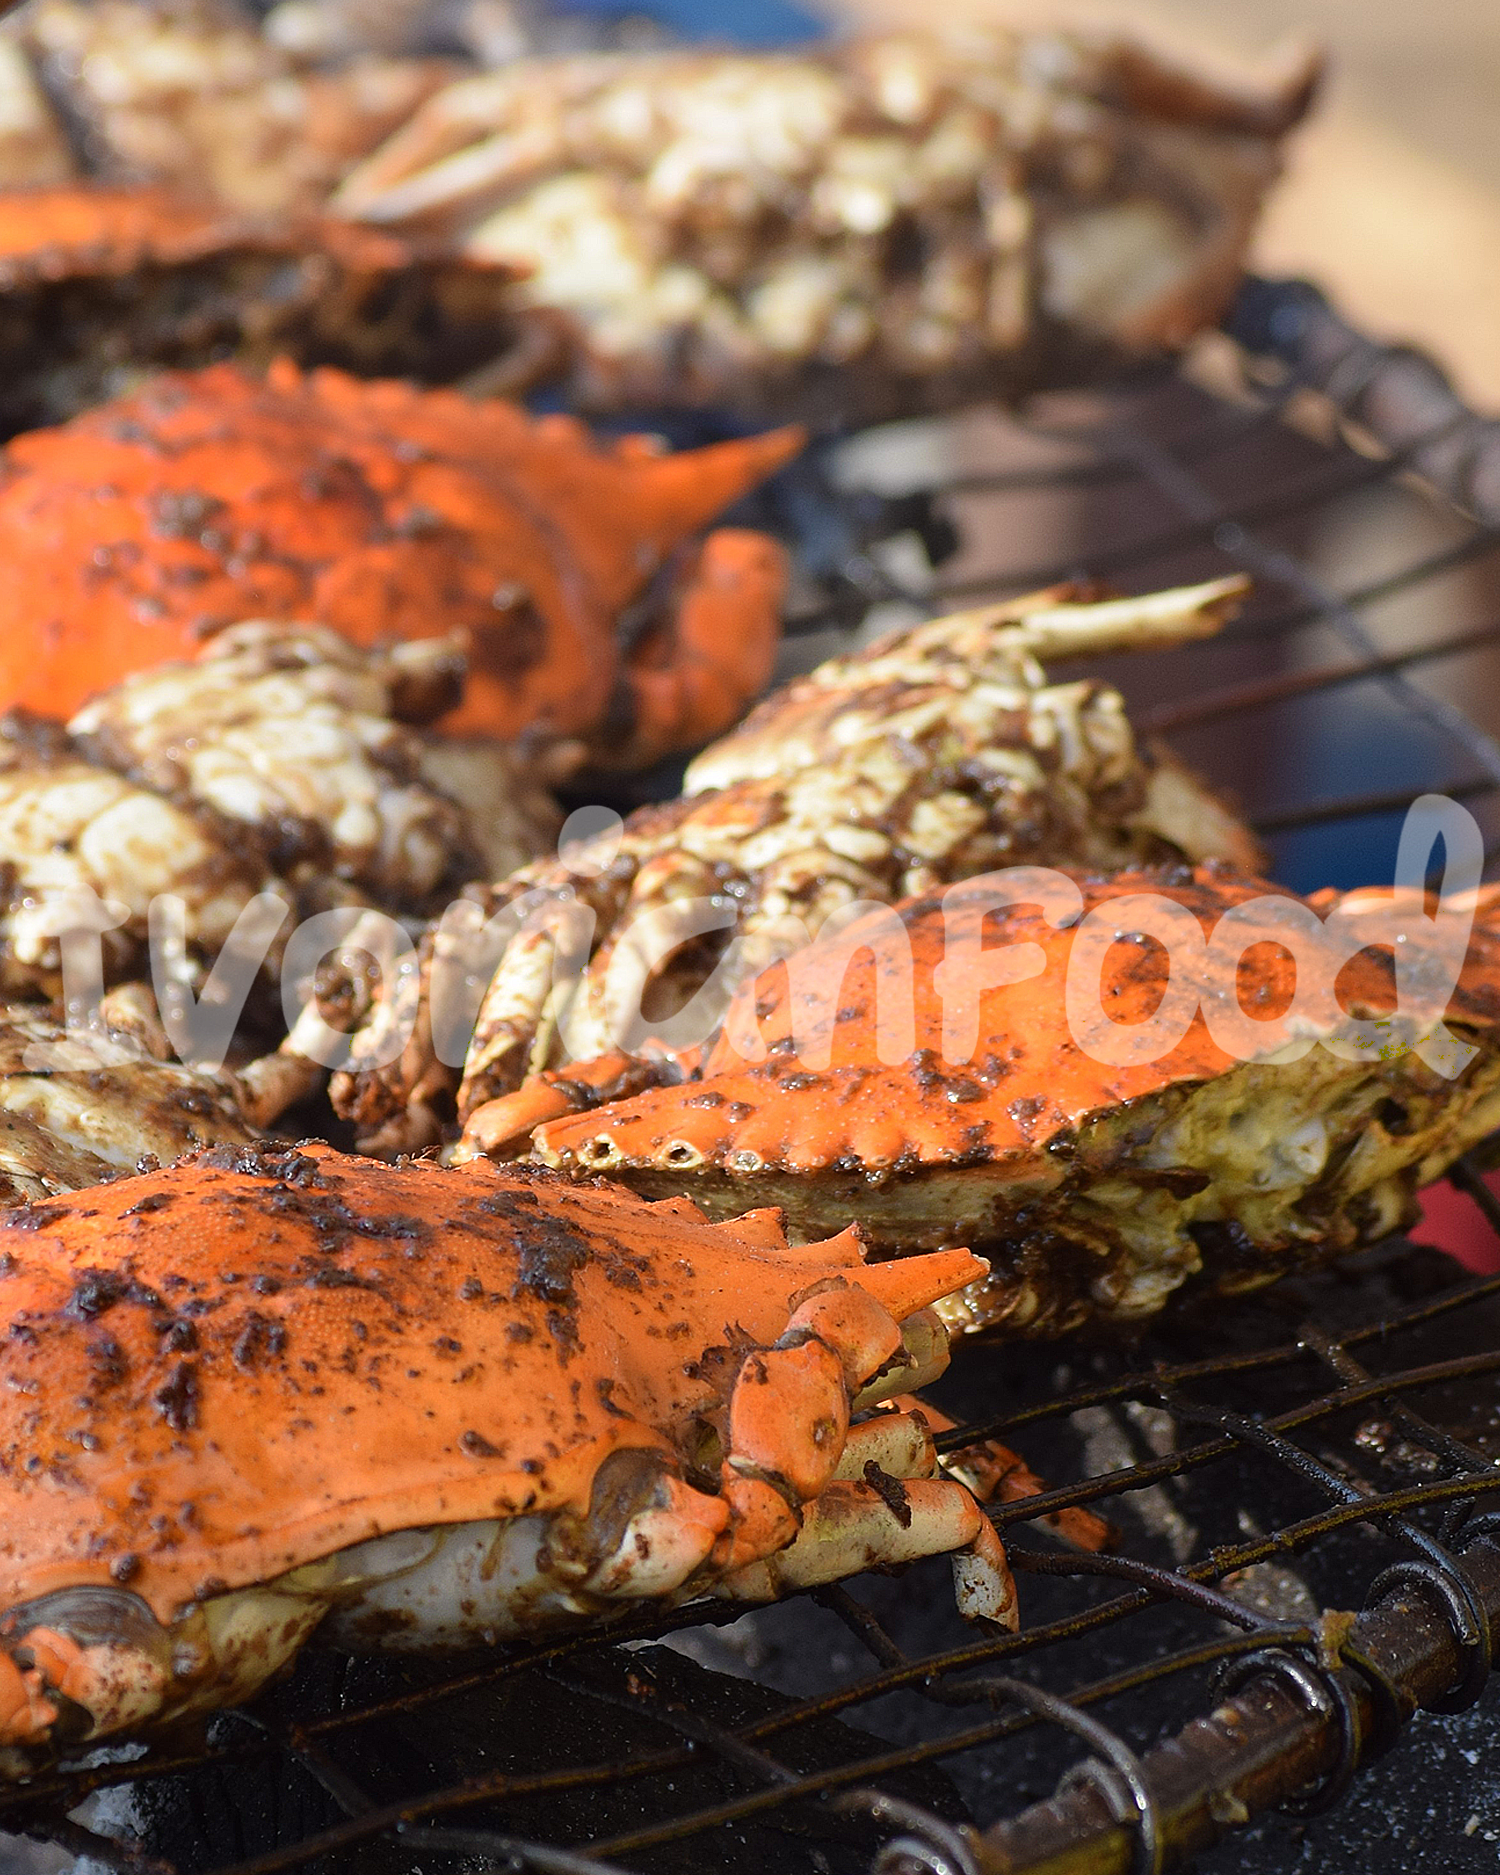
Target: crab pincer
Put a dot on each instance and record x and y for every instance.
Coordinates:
(263, 1393)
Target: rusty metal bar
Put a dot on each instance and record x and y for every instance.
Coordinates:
(1394, 393)
(1266, 1745)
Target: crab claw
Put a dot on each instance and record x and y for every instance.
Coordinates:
(997, 1475)
(851, 1527)
(811, 1498)
(663, 1529)
(690, 675)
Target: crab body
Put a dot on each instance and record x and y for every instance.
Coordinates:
(387, 512)
(431, 1407)
(100, 286)
(936, 753)
(1096, 1183)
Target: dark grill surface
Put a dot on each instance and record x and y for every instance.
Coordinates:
(1325, 1448)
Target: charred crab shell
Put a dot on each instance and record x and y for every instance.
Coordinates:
(254, 1393)
(1096, 1186)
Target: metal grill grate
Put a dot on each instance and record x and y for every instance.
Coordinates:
(1327, 1446)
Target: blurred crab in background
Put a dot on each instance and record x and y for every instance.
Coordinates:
(80, 1110)
(282, 773)
(262, 109)
(193, 94)
(941, 751)
(593, 612)
(883, 225)
(284, 760)
(860, 228)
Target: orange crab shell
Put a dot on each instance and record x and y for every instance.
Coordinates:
(1030, 1080)
(100, 286)
(75, 230)
(380, 510)
(220, 1372)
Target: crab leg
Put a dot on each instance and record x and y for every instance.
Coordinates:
(455, 182)
(789, 1439)
(996, 1474)
(853, 1527)
(453, 142)
(93, 1660)
(899, 1444)
(923, 1357)
(1054, 625)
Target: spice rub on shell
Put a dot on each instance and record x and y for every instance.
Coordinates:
(385, 511)
(265, 1389)
(1096, 1183)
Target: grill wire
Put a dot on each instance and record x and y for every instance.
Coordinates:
(1327, 1446)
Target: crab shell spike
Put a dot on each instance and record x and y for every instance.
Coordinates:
(385, 512)
(906, 1288)
(267, 1390)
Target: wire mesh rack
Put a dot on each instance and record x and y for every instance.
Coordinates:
(1327, 1448)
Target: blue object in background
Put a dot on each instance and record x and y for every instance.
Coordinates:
(744, 22)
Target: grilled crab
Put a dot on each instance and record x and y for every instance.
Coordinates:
(284, 760)
(1256, 1134)
(938, 752)
(258, 1393)
(870, 226)
(100, 286)
(191, 94)
(78, 1109)
(388, 512)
